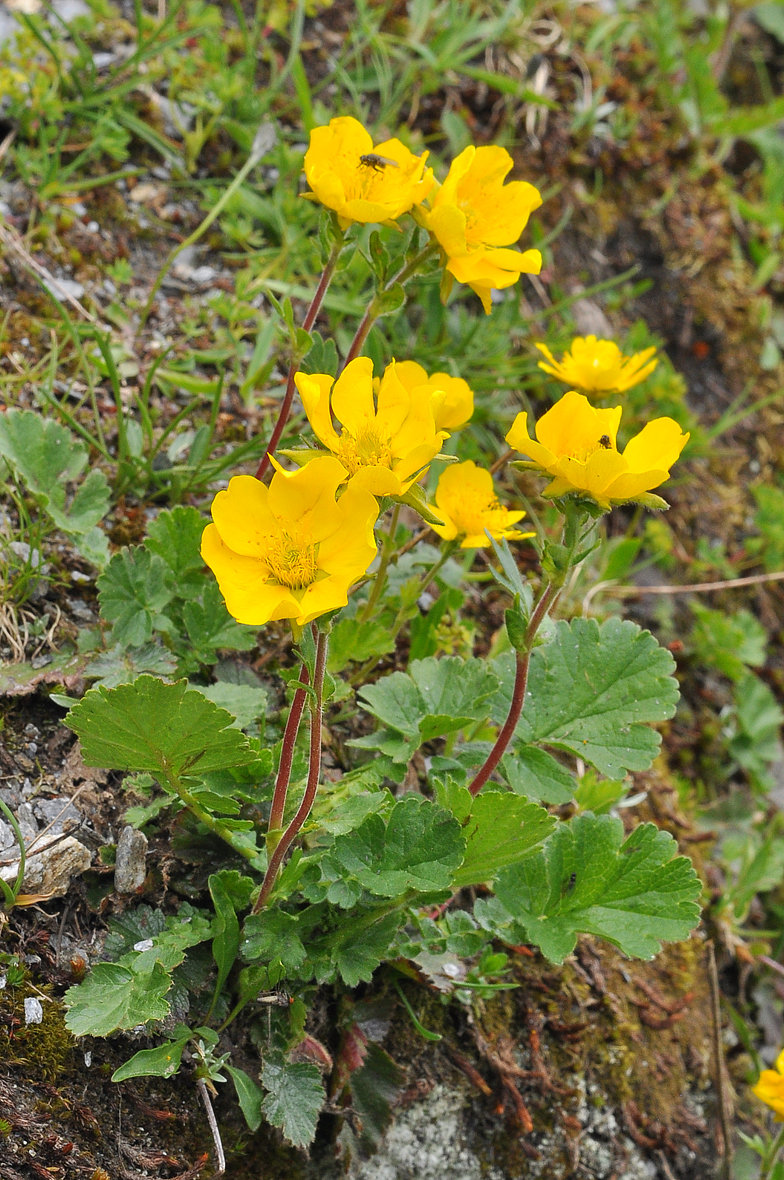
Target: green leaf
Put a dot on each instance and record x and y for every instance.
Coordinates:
(246, 702)
(419, 848)
(762, 869)
(133, 590)
(500, 830)
(635, 893)
(47, 458)
(249, 1096)
(351, 639)
(591, 690)
(273, 935)
(769, 518)
(115, 997)
(211, 628)
(536, 774)
(295, 1096)
(175, 535)
(729, 642)
(435, 697)
(757, 743)
(161, 1062)
(226, 942)
(510, 578)
(121, 665)
(390, 300)
(770, 15)
(162, 728)
(357, 954)
(322, 357)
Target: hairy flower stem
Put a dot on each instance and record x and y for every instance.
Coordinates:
(287, 758)
(314, 773)
(387, 550)
(541, 609)
(372, 313)
(307, 324)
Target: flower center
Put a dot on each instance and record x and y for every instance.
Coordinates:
(366, 449)
(470, 511)
(291, 561)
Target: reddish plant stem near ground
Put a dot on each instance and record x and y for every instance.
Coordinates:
(307, 324)
(518, 692)
(287, 754)
(314, 773)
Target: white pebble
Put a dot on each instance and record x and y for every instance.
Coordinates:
(34, 1013)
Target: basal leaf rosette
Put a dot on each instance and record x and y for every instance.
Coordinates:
(384, 442)
(451, 398)
(359, 181)
(770, 1088)
(576, 446)
(290, 551)
(598, 366)
(473, 215)
(466, 499)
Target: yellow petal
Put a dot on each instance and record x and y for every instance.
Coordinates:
(573, 427)
(394, 405)
(243, 515)
(314, 390)
(352, 395)
(658, 444)
(448, 224)
(243, 582)
(410, 374)
(520, 440)
(379, 481)
(452, 401)
(304, 500)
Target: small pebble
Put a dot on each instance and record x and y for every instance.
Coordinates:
(88, 1059)
(33, 1010)
(146, 944)
(130, 866)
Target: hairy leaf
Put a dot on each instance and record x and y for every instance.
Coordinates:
(273, 935)
(115, 997)
(175, 535)
(536, 774)
(591, 691)
(419, 848)
(226, 942)
(246, 702)
(636, 893)
(133, 590)
(500, 830)
(163, 728)
(211, 628)
(47, 458)
(295, 1096)
(356, 953)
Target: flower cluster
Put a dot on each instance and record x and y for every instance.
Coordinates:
(295, 549)
(770, 1088)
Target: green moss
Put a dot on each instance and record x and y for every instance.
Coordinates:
(44, 1051)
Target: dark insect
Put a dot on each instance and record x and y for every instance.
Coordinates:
(569, 885)
(275, 999)
(604, 441)
(377, 163)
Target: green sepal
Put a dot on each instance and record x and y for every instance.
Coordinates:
(445, 287)
(390, 300)
(517, 626)
(415, 498)
(651, 501)
(303, 455)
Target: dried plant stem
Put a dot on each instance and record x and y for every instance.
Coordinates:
(314, 773)
(220, 1158)
(518, 692)
(307, 324)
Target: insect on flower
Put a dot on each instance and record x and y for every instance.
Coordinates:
(604, 441)
(376, 162)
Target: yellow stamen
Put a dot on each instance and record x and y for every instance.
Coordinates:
(291, 561)
(368, 449)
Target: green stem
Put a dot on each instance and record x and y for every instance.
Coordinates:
(209, 820)
(771, 1156)
(387, 550)
(199, 232)
(372, 313)
(17, 885)
(314, 773)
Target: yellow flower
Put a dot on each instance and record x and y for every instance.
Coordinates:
(466, 499)
(770, 1088)
(361, 182)
(289, 551)
(577, 447)
(599, 366)
(451, 398)
(383, 446)
(474, 213)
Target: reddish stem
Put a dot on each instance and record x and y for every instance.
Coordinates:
(523, 659)
(287, 754)
(307, 324)
(314, 773)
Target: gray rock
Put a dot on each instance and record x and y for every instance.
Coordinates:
(60, 813)
(51, 865)
(33, 1010)
(130, 868)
